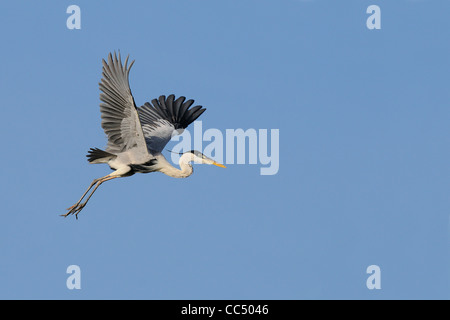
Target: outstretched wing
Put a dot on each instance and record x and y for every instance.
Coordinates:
(166, 118)
(120, 119)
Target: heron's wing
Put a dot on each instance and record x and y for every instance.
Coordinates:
(120, 119)
(165, 119)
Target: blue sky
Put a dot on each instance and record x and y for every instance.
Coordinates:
(364, 146)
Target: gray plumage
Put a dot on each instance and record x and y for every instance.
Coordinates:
(147, 129)
(120, 119)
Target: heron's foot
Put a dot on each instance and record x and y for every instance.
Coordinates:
(75, 209)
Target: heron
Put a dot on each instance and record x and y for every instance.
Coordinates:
(138, 135)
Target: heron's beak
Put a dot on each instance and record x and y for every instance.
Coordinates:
(218, 164)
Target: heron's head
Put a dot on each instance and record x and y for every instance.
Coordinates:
(199, 157)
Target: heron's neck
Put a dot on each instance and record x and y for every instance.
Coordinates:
(186, 168)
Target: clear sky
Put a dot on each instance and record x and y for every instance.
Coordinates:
(363, 119)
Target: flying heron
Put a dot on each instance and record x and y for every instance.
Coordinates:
(137, 136)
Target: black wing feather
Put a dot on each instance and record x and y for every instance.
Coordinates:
(176, 112)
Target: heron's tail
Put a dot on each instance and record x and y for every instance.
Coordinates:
(96, 155)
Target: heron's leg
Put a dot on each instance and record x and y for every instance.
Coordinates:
(80, 206)
(84, 194)
(77, 207)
